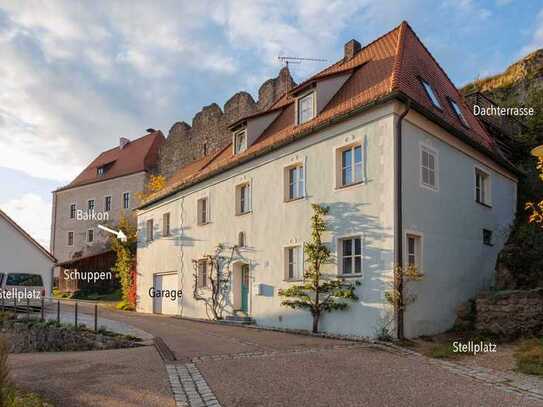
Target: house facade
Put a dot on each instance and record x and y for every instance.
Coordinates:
(104, 192)
(385, 140)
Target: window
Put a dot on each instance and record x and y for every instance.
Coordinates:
(100, 171)
(166, 224)
(413, 251)
(306, 108)
(241, 239)
(243, 193)
(351, 165)
(70, 238)
(458, 113)
(90, 235)
(107, 203)
(428, 168)
(203, 211)
(203, 274)
(240, 141)
(487, 237)
(351, 255)
(293, 263)
(72, 211)
(149, 230)
(24, 280)
(91, 205)
(482, 187)
(126, 200)
(295, 182)
(431, 94)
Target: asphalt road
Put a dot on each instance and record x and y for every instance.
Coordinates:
(286, 370)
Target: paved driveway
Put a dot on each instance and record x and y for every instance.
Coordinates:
(234, 366)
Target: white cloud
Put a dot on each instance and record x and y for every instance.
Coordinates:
(33, 214)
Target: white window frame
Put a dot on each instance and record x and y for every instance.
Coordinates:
(73, 238)
(166, 215)
(74, 204)
(110, 203)
(248, 200)
(149, 234)
(432, 151)
(88, 235)
(199, 218)
(339, 251)
(93, 200)
(487, 188)
(299, 261)
(124, 193)
(100, 171)
(206, 280)
(431, 93)
(419, 248)
(300, 183)
(235, 141)
(339, 165)
(300, 99)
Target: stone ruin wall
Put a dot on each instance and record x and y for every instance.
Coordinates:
(209, 131)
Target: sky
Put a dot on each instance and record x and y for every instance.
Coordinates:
(78, 75)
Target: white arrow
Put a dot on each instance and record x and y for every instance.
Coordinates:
(120, 235)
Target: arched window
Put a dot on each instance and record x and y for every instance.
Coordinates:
(241, 239)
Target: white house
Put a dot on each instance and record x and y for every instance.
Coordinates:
(385, 140)
(20, 254)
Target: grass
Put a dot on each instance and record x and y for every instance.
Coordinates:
(443, 351)
(529, 357)
(89, 295)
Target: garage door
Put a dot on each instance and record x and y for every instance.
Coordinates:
(165, 305)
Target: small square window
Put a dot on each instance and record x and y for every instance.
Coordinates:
(428, 168)
(306, 108)
(100, 171)
(166, 224)
(203, 211)
(350, 255)
(240, 141)
(293, 263)
(431, 94)
(487, 237)
(150, 230)
(458, 112)
(295, 182)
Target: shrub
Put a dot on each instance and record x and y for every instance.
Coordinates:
(529, 357)
(4, 372)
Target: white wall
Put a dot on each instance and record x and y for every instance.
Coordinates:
(365, 209)
(455, 261)
(19, 255)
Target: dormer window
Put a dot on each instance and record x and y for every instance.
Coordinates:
(240, 141)
(458, 113)
(306, 108)
(101, 171)
(431, 93)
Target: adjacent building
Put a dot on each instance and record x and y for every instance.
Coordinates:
(104, 191)
(384, 139)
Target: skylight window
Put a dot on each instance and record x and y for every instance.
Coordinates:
(458, 112)
(431, 94)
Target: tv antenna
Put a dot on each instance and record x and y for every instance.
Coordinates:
(297, 60)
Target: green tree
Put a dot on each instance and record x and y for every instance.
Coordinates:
(319, 292)
(125, 262)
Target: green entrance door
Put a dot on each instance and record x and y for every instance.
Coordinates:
(245, 288)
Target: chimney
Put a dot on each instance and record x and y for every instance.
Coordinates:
(351, 49)
(123, 142)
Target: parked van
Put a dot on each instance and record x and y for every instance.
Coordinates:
(21, 289)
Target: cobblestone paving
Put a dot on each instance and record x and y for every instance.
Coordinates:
(189, 387)
(527, 387)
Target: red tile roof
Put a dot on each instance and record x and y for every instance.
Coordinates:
(138, 155)
(391, 65)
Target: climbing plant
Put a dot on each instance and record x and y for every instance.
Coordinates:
(125, 258)
(319, 293)
(154, 184)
